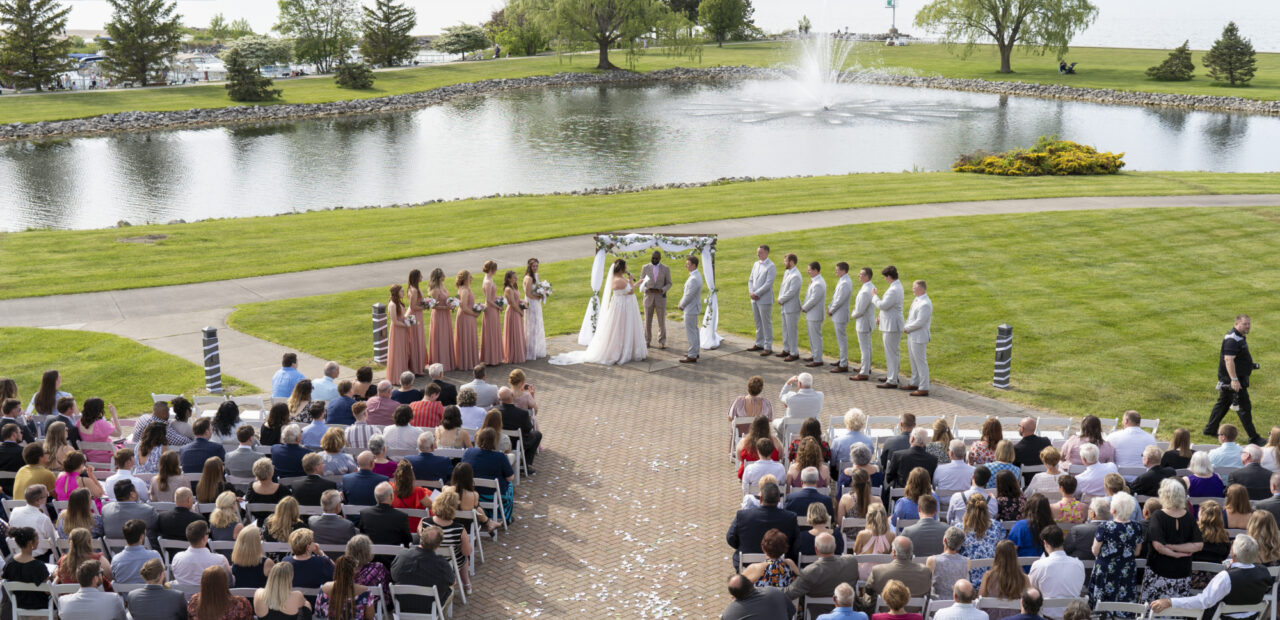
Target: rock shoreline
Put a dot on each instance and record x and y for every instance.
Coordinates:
(182, 119)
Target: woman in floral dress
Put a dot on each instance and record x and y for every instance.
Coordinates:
(983, 450)
(1116, 545)
(981, 535)
(1069, 510)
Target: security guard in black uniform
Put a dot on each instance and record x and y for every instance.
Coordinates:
(1235, 364)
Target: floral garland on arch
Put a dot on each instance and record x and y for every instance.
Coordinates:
(672, 246)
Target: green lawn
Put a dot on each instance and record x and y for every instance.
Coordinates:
(117, 370)
(55, 262)
(1117, 68)
(1111, 309)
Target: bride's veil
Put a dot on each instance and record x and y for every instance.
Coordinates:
(604, 318)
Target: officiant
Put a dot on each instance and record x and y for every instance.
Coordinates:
(657, 280)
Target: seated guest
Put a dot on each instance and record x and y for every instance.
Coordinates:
(382, 465)
(956, 473)
(917, 488)
(819, 523)
(249, 565)
(358, 486)
(949, 566)
(283, 522)
(1005, 580)
(463, 483)
(331, 528)
(36, 470)
(189, 565)
(1057, 575)
(874, 539)
(1148, 482)
(1272, 503)
(10, 452)
(777, 570)
(819, 580)
(24, 567)
(225, 522)
(12, 408)
(963, 593)
(308, 491)
(201, 449)
(515, 418)
(1130, 441)
(407, 495)
(1047, 480)
(1255, 478)
(314, 432)
(916, 577)
(381, 407)
(80, 551)
(1237, 507)
(400, 435)
(1202, 482)
(35, 516)
(1178, 456)
(1245, 582)
(472, 414)
(486, 393)
(1262, 527)
(369, 571)
(749, 526)
(1009, 499)
(213, 482)
(264, 490)
(450, 433)
(360, 431)
(489, 464)
(405, 394)
(427, 411)
(758, 469)
(1027, 532)
(799, 399)
(904, 462)
(125, 462)
(798, 501)
(746, 448)
(1090, 481)
(91, 601)
(1227, 454)
(1090, 434)
(56, 444)
(343, 597)
(311, 568)
(896, 596)
(422, 566)
(752, 404)
(750, 602)
(1032, 602)
(854, 423)
(448, 391)
(278, 600)
(977, 486)
(844, 598)
(940, 442)
(126, 508)
(1028, 448)
(1004, 457)
(981, 535)
(1069, 510)
(159, 415)
(168, 478)
(364, 387)
(336, 462)
(982, 451)
(810, 428)
(240, 461)
(383, 524)
(1079, 542)
(428, 466)
(443, 510)
(215, 601)
(127, 562)
(277, 419)
(926, 534)
(156, 601)
(287, 457)
(326, 388)
(79, 514)
(283, 381)
(172, 524)
(300, 401)
(225, 421)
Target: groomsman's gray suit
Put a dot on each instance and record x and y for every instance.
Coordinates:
(839, 311)
(789, 300)
(890, 305)
(864, 320)
(815, 300)
(918, 324)
(760, 284)
(691, 304)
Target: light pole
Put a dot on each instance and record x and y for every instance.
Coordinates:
(893, 24)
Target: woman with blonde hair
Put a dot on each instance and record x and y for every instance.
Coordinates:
(168, 478)
(1262, 527)
(369, 571)
(1046, 481)
(264, 490)
(1271, 451)
(336, 462)
(278, 600)
(1004, 457)
(982, 451)
(1174, 538)
(1217, 544)
(896, 596)
(858, 500)
(466, 344)
(524, 392)
(224, 521)
(311, 568)
(981, 535)
(79, 514)
(249, 565)
(1005, 580)
(751, 404)
(1238, 507)
(491, 324)
(819, 523)
(56, 446)
(283, 522)
(443, 510)
(80, 551)
(875, 538)
(940, 442)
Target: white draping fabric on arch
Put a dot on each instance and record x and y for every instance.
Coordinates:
(681, 244)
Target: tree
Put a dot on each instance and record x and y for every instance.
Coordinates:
(239, 28)
(387, 40)
(218, 28)
(804, 26)
(1038, 26)
(602, 22)
(1231, 58)
(323, 31)
(32, 49)
(722, 18)
(1177, 67)
(354, 75)
(258, 51)
(516, 32)
(143, 35)
(461, 39)
(688, 8)
(245, 82)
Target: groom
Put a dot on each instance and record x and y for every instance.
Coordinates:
(691, 305)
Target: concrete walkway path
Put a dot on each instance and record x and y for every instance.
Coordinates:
(169, 318)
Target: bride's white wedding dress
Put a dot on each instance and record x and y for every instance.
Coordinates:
(619, 336)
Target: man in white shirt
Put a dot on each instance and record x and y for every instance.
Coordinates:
(757, 469)
(977, 486)
(1227, 454)
(1244, 582)
(1130, 441)
(789, 304)
(34, 516)
(890, 322)
(864, 320)
(760, 289)
(917, 328)
(486, 393)
(1057, 575)
(964, 593)
(838, 310)
(125, 462)
(800, 399)
(190, 564)
(955, 474)
(326, 388)
(1090, 481)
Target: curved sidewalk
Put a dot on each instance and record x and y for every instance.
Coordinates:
(161, 316)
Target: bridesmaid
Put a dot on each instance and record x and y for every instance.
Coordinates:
(535, 342)
(491, 333)
(418, 332)
(466, 347)
(513, 339)
(399, 337)
(441, 349)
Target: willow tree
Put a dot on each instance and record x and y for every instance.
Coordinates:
(1038, 26)
(604, 23)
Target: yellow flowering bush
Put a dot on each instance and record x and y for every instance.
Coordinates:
(1049, 156)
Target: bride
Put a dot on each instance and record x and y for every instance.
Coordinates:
(619, 336)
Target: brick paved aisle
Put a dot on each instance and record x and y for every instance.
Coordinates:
(626, 517)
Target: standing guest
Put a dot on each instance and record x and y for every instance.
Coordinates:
(657, 278)
(1079, 542)
(364, 387)
(194, 455)
(838, 310)
(421, 566)
(93, 428)
(408, 495)
(1178, 456)
(1148, 482)
(466, 346)
(214, 600)
(1090, 433)
(343, 598)
(400, 435)
(91, 601)
(750, 602)
(381, 408)
(760, 290)
(383, 524)
(1130, 441)
(156, 601)
(1116, 546)
(753, 404)
(1028, 532)
(338, 410)
(358, 487)
(535, 338)
(1057, 575)
(427, 411)
(399, 334)
(418, 331)
(240, 461)
(278, 600)
(277, 419)
(917, 328)
(1047, 480)
(813, 307)
(491, 324)
(789, 303)
(405, 392)
(24, 567)
(382, 465)
(896, 596)
(1005, 580)
(330, 527)
(1174, 538)
(368, 571)
(286, 457)
(890, 322)
(249, 565)
(513, 339)
(948, 567)
(326, 388)
(336, 462)
(863, 320)
(189, 566)
(448, 391)
(283, 381)
(1252, 476)
(78, 515)
(1235, 364)
(311, 568)
(283, 522)
(1201, 481)
(440, 343)
(301, 399)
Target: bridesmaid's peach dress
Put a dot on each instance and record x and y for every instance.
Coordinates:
(491, 332)
(397, 343)
(417, 335)
(513, 337)
(440, 350)
(466, 344)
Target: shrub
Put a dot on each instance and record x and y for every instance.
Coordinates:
(245, 82)
(1176, 68)
(354, 75)
(1049, 156)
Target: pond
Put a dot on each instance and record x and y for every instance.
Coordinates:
(564, 139)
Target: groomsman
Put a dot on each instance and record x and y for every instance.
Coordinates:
(789, 302)
(864, 318)
(655, 298)
(890, 322)
(760, 288)
(815, 299)
(839, 313)
(691, 305)
(918, 321)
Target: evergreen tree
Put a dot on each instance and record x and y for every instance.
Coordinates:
(32, 50)
(1231, 59)
(388, 38)
(1177, 67)
(144, 35)
(354, 75)
(245, 82)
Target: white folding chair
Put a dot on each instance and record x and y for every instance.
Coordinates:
(447, 553)
(1257, 609)
(1115, 606)
(155, 398)
(437, 606)
(495, 502)
(990, 602)
(12, 587)
(920, 603)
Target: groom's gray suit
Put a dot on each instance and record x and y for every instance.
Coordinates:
(691, 304)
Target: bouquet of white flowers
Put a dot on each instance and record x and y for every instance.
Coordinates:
(478, 307)
(543, 288)
(454, 303)
(429, 303)
(500, 302)
(410, 320)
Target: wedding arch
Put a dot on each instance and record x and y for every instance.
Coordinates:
(633, 245)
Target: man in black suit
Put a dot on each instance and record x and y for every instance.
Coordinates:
(12, 408)
(1027, 450)
(1148, 482)
(515, 418)
(926, 534)
(10, 454)
(448, 391)
(309, 491)
(798, 500)
(1079, 542)
(1253, 476)
(422, 566)
(287, 455)
(903, 462)
(66, 414)
(1272, 504)
(428, 466)
(901, 441)
(383, 524)
(750, 524)
(172, 524)
(194, 454)
(331, 528)
(358, 486)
